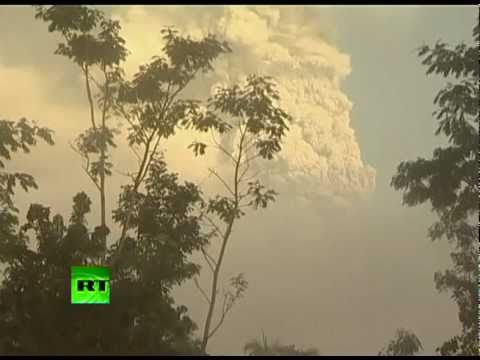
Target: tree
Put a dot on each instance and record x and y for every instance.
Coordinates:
(35, 314)
(405, 343)
(153, 105)
(16, 136)
(93, 43)
(248, 115)
(448, 181)
(263, 348)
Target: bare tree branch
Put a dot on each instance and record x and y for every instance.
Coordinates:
(249, 144)
(152, 155)
(86, 167)
(213, 172)
(253, 176)
(137, 155)
(215, 226)
(247, 167)
(141, 170)
(89, 95)
(209, 259)
(225, 309)
(92, 79)
(221, 148)
(197, 285)
(127, 174)
(250, 158)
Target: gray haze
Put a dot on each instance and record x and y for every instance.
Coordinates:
(339, 267)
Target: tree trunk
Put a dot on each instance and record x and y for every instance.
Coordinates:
(102, 192)
(213, 295)
(226, 236)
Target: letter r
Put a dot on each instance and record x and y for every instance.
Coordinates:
(85, 284)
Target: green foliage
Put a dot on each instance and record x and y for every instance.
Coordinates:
(198, 148)
(405, 343)
(254, 106)
(236, 290)
(150, 101)
(263, 348)
(35, 314)
(448, 181)
(17, 136)
(189, 55)
(259, 196)
(167, 228)
(20, 135)
(249, 115)
(93, 42)
(225, 208)
(91, 39)
(92, 141)
(81, 207)
(8, 183)
(252, 111)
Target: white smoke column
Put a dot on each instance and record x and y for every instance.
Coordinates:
(320, 156)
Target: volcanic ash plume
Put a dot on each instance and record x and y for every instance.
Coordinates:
(320, 155)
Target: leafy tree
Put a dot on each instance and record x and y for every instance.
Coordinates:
(36, 316)
(92, 42)
(154, 106)
(263, 348)
(249, 116)
(153, 103)
(150, 103)
(448, 181)
(405, 343)
(14, 137)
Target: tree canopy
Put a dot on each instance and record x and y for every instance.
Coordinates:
(261, 347)
(405, 343)
(449, 181)
(37, 317)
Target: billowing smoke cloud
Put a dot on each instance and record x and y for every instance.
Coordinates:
(320, 156)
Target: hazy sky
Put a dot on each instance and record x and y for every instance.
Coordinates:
(337, 263)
